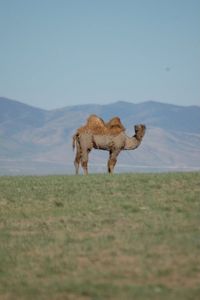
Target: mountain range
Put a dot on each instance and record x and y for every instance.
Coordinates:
(37, 141)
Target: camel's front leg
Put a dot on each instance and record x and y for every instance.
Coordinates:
(112, 160)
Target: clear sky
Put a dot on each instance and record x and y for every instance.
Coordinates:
(55, 53)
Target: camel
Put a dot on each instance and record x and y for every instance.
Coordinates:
(108, 136)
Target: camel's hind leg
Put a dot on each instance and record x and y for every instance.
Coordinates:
(77, 157)
(84, 161)
(112, 160)
(81, 157)
(77, 161)
(85, 146)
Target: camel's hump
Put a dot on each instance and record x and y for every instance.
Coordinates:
(94, 121)
(115, 124)
(96, 125)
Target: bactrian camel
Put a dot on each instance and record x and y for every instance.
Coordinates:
(109, 136)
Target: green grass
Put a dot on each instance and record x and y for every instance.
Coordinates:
(127, 236)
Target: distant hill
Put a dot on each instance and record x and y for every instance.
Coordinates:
(37, 141)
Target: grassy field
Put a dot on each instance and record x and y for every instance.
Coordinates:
(126, 236)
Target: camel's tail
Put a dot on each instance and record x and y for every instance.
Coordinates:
(74, 140)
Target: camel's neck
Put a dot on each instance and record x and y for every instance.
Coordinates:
(132, 143)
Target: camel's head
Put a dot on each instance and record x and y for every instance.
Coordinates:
(139, 131)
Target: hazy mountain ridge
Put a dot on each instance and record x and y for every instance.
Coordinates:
(29, 135)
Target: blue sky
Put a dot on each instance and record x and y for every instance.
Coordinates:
(56, 53)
